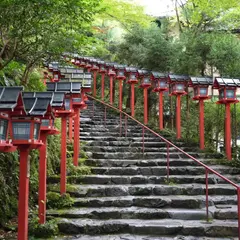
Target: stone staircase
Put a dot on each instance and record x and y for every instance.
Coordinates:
(127, 196)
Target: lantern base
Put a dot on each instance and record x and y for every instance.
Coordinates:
(131, 81)
(178, 93)
(30, 144)
(159, 90)
(147, 85)
(49, 130)
(64, 113)
(121, 78)
(6, 146)
(201, 98)
(225, 101)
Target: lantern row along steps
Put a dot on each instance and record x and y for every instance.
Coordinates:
(127, 195)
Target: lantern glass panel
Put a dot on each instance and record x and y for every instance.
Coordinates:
(36, 130)
(21, 130)
(3, 129)
(195, 91)
(132, 77)
(179, 87)
(230, 93)
(67, 104)
(55, 76)
(121, 73)
(102, 68)
(221, 94)
(163, 84)
(146, 80)
(45, 122)
(203, 91)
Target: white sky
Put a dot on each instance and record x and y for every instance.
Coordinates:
(158, 7)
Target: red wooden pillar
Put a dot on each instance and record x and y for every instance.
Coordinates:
(201, 123)
(120, 94)
(94, 83)
(103, 78)
(111, 89)
(178, 116)
(70, 125)
(42, 179)
(76, 137)
(63, 167)
(228, 131)
(132, 99)
(145, 98)
(23, 194)
(161, 110)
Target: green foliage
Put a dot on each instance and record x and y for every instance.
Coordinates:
(49, 229)
(55, 200)
(9, 171)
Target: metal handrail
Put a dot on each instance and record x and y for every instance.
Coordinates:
(207, 168)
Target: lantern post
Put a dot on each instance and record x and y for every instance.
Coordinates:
(160, 85)
(102, 71)
(145, 84)
(200, 87)
(68, 88)
(111, 73)
(120, 77)
(94, 69)
(131, 72)
(178, 84)
(227, 95)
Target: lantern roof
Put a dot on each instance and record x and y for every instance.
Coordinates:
(38, 106)
(100, 62)
(38, 94)
(94, 60)
(143, 72)
(131, 69)
(194, 81)
(68, 69)
(58, 99)
(178, 78)
(226, 82)
(119, 66)
(11, 98)
(158, 75)
(110, 64)
(82, 76)
(67, 87)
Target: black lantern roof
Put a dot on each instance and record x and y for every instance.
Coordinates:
(94, 60)
(158, 75)
(82, 76)
(38, 94)
(100, 62)
(143, 72)
(178, 78)
(201, 81)
(131, 69)
(38, 106)
(110, 64)
(10, 98)
(119, 66)
(67, 87)
(67, 70)
(226, 82)
(58, 99)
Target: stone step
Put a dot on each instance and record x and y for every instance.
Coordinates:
(147, 190)
(139, 179)
(132, 149)
(147, 213)
(133, 213)
(140, 155)
(159, 227)
(170, 201)
(162, 171)
(141, 163)
(139, 237)
(127, 143)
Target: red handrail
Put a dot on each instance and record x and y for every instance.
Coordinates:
(207, 168)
